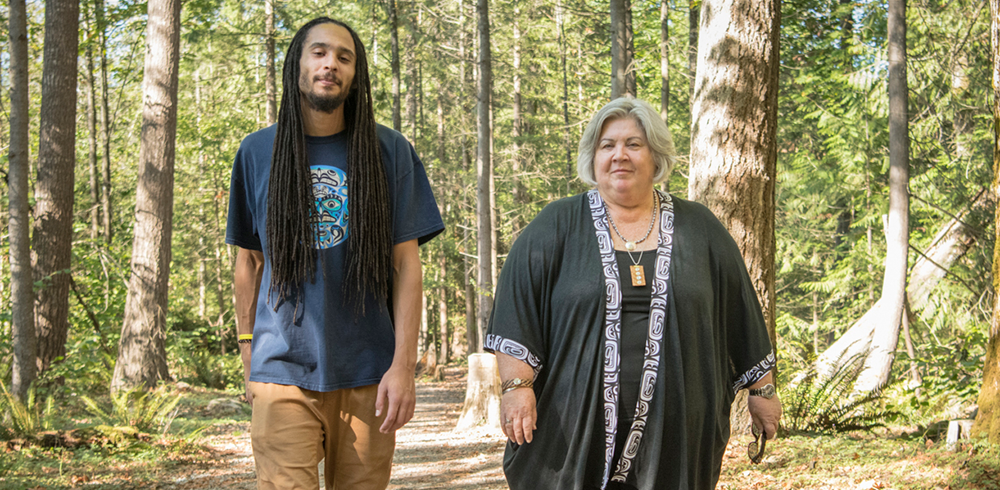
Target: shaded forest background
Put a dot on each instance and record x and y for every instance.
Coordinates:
(551, 71)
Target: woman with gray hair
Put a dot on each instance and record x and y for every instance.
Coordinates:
(615, 380)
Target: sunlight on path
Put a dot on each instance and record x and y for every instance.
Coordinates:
(430, 455)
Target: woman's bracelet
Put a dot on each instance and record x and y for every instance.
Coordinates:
(515, 383)
(245, 338)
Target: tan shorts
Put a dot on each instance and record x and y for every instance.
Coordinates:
(293, 429)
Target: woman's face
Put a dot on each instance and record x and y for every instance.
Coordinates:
(623, 161)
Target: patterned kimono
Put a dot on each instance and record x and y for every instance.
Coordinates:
(558, 308)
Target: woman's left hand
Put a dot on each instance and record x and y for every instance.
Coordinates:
(518, 416)
(765, 413)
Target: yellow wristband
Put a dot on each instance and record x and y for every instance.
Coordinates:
(246, 336)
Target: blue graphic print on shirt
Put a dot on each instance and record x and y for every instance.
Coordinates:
(330, 219)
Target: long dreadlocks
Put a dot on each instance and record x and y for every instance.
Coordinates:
(290, 215)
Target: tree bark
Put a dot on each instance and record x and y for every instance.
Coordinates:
(108, 211)
(484, 165)
(988, 419)
(142, 356)
(397, 120)
(95, 190)
(619, 48)
(733, 136)
(519, 191)
(412, 77)
(270, 82)
(23, 370)
(878, 364)
(482, 392)
(567, 141)
(694, 23)
(664, 61)
(443, 311)
(53, 235)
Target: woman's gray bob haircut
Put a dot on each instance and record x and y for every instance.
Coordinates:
(657, 134)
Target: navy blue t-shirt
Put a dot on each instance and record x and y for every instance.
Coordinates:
(325, 347)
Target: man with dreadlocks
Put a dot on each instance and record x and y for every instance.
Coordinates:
(328, 210)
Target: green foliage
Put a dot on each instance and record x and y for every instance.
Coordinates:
(24, 419)
(132, 413)
(829, 404)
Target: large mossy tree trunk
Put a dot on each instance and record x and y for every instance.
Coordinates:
(53, 234)
(142, 355)
(988, 419)
(733, 137)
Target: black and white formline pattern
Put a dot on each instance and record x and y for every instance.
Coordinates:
(612, 333)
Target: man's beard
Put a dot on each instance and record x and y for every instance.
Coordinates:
(327, 103)
(323, 103)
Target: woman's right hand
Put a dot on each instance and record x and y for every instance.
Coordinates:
(518, 416)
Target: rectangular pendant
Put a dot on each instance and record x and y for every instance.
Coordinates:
(638, 275)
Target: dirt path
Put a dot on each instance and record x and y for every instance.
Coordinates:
(429, 454)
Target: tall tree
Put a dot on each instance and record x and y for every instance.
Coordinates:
(664, 61)
(484, 165)
(988, 418)
(733, 135)
(53, 235)
(22, 309)
(878, 363)
(107, 211)
(622, 75)
(694, 25)
(270, 82)
(95, 188)
(397, 120)
(142, 356)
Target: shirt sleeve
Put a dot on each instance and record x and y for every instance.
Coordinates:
(241, 229)
(415, 213)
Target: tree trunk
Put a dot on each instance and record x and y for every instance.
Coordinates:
(988, 419)
(443, 312)
(519, 191)
(471, 324)
(482, 393)
(23, 370)
(664, 61)
(567, 141)
(484, 165)
(108, 211)
(412, 82)
(694, 23)
(53, 235)
(733, 136)
(95, 190)
(270, 82)
(397, 121)
(878, 364)
(142, 356)
(619, 48)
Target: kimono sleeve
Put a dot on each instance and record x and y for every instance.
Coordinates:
(241, 229)
(750, 352)
(520, 306)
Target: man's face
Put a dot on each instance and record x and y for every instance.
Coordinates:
(326, 67)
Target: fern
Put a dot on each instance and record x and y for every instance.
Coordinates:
(24, 419)
(133, 412)
(830, 404)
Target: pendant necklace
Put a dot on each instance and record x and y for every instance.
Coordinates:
(636, 271)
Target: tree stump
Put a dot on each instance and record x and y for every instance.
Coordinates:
(482, 394)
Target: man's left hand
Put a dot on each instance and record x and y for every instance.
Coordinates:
(397, 396)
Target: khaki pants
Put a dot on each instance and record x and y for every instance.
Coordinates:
(293, 429)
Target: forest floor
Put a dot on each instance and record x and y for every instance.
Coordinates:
(431, 455)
